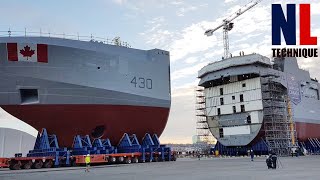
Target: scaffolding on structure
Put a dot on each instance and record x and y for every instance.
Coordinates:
(280, 134)
(203, 132)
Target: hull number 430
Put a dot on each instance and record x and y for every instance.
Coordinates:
(140, 82)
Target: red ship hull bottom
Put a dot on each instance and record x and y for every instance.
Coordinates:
(108, 121)
(307, 130)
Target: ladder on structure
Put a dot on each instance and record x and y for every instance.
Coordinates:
(279, 128)
(203, 131)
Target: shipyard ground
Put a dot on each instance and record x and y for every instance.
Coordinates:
(240, 168)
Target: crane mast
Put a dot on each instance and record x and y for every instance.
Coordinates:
(227, 25)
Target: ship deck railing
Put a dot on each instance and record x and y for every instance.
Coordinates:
(115, 41)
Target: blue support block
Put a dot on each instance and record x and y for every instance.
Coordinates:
(53, 141)
(56, 162)
(150, 150)
(45, 141)
(162, 154)
(143, 157)
(125, 141)
(156, 140)
(81, 142)
(82, 146)
(260, 148)
(97, 143)
(68, 158)
(129, 144)
(103, 146)
(45, 145)
(147, 140)
(37, 144)
(134, 140)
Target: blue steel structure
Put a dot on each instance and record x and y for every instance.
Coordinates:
(150, 149)
(47, 146)
(312, 145)
(259, 148)
(152, 144)
(82, 145)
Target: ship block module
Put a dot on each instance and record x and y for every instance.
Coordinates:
(73, 87)
(250, 99)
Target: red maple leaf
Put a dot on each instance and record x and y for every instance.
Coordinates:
(27, 52)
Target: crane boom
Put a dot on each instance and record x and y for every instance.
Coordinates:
(228, 25)
(243, 10)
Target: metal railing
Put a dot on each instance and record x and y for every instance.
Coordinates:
(115, 41)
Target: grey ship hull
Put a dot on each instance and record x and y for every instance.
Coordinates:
(87, 88)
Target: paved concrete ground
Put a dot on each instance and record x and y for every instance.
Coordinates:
(302, 168)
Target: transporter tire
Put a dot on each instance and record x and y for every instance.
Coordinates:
(37, 165)
(135, 160)
(15, 166)
(174, 158)
(48, 164)
(120, 159)
(127, 160)
(156, 159)
(74, 163)
(112, 160)
(27, 165)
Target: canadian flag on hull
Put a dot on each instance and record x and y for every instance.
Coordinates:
(27, 52)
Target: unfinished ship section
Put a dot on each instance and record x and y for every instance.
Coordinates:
(250, 99)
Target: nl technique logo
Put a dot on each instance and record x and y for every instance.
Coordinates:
(287, 24)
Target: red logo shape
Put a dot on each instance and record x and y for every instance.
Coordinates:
(27, 52)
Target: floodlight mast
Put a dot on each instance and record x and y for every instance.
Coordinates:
(227, 25)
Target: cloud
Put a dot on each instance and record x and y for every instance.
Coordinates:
(311, 65)
(182, 121)
(315, 8)
(192, 40)
(230, 1)
(121, 2)
(189, 8)
(213, 53)
(191, 60)
(178, 2)
(191, 70)
(156, 34)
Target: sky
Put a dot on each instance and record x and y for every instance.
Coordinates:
(174, 25)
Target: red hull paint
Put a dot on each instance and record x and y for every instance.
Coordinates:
(66, 121)
(304, 131)
(307, 130)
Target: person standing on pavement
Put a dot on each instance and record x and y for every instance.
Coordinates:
(251, 154)
(87, 160)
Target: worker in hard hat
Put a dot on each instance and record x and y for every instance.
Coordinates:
(87, 161)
